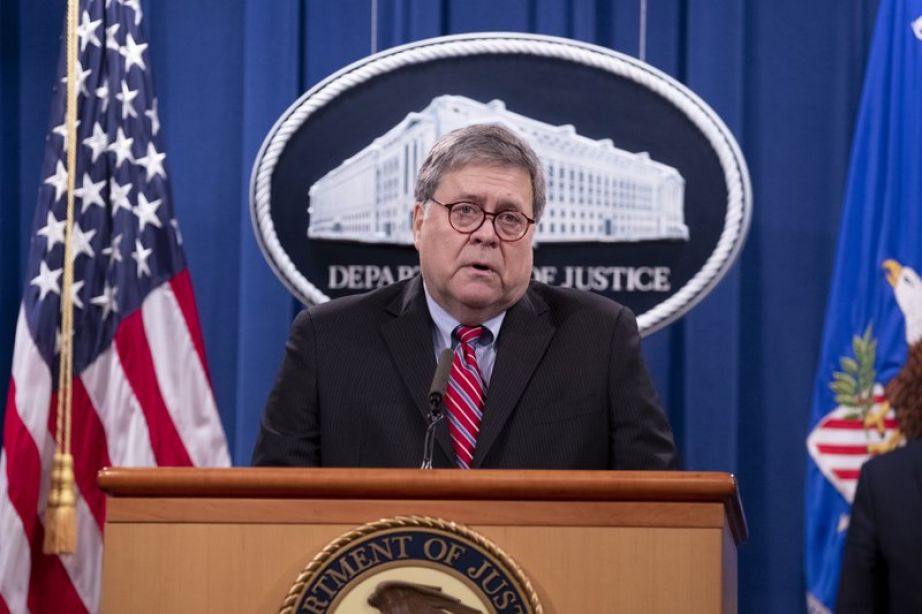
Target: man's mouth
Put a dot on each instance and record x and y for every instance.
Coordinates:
(480, 269)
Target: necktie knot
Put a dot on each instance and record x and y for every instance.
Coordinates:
(468, 334)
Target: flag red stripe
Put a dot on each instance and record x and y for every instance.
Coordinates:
(847, 474)
(128, 442)
(181, 285)
(50, 588)
(23, 465)
(183, 381)
(138, 364)
(4, 609)
(90, 452)
(855, 424)
(828, 448)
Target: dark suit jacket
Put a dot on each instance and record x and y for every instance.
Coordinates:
(882, 565)
(569, 389)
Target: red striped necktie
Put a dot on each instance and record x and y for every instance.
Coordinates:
(464, 397)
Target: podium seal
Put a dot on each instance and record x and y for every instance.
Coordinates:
(412, 564)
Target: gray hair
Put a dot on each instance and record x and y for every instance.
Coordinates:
(489, 144)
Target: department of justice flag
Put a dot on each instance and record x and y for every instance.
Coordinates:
(141, 389)
(875, 305)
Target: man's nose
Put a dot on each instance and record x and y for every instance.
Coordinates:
(486, 233)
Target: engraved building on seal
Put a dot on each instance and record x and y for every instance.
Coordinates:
(595, 191)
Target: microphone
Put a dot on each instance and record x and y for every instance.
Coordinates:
(436, 393)
(440, 382)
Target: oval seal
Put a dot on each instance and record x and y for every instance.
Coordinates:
(412, 564)
(649, 200)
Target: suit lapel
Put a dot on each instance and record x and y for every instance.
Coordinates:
(409, 338)
(523, 338)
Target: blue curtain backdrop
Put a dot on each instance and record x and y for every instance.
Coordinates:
(736, 374)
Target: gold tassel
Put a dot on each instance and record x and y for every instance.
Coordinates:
(61, 510)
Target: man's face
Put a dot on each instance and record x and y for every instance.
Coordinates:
(475, 276)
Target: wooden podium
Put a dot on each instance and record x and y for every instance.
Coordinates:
(235, 540)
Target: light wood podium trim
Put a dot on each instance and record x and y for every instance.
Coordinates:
(437, 484)
(523, 513)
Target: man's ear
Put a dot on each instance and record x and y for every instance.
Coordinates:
(419, 212)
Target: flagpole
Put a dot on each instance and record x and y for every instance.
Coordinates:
(60, 512)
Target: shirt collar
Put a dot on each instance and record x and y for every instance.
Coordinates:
(446, 323)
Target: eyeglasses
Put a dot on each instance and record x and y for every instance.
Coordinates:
(467, 218)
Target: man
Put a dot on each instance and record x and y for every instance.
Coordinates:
(542, 377)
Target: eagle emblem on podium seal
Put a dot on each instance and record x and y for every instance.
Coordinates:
(412, 564)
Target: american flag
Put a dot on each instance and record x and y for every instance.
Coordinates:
(141, 389)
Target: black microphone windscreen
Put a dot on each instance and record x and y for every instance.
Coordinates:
(440, 379)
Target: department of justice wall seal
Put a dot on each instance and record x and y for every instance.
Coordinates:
(648, 194)
(412, 564)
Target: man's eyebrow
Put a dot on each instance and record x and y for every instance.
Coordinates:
(502, 205)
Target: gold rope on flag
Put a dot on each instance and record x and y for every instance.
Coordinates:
(61, 510)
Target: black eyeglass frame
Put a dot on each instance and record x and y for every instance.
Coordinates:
(483, 219)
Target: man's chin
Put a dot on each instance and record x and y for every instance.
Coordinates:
(478, 294)
(479, 298)
(478, 302)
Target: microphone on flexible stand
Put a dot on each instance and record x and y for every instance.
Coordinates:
(436, 413)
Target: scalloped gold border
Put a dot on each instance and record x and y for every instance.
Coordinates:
(427, 522)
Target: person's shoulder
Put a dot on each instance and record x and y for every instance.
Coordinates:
(570, 301)
(892, 464)
(355, 306)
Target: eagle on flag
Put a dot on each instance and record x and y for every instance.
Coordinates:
(871, 418)
(904, 392)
